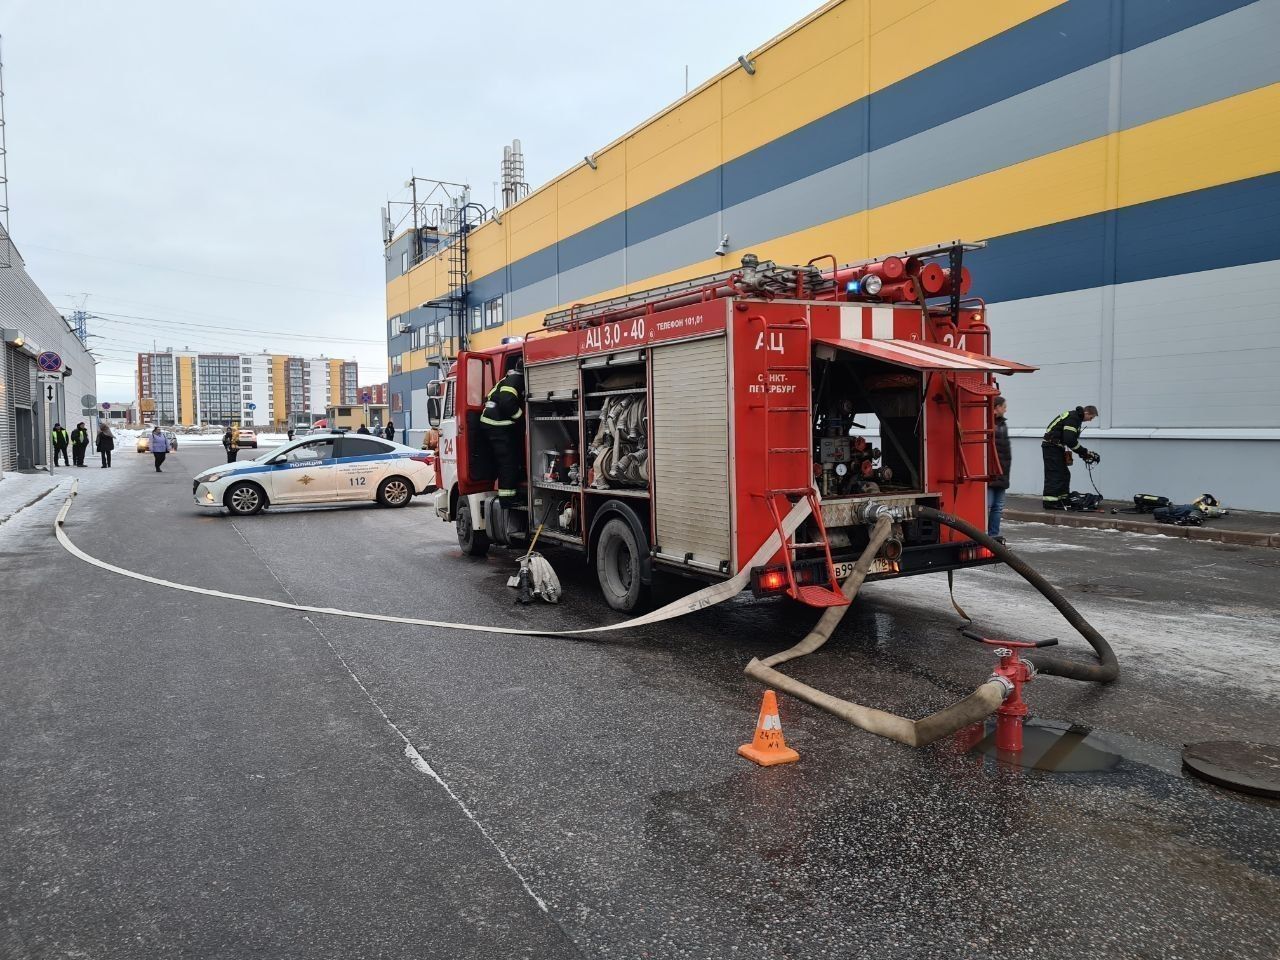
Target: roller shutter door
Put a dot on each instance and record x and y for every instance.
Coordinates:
(690, 424)
(558, 378)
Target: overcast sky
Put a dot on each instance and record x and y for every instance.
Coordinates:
(194, 168)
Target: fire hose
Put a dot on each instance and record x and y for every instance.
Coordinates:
(978, 705)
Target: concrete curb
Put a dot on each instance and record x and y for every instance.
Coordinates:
(32, 502)
(1103, 522)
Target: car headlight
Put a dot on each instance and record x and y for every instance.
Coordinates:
(214, 478)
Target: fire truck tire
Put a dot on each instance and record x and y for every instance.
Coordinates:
(618, 566)
(474, 543)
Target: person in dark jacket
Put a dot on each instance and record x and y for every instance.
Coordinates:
(502, 423)
(230, 444)
(363, 429)
(390, 432)
(1061, 439)
(997, 487)
(79, 443)
(106, 443)
(61, 440)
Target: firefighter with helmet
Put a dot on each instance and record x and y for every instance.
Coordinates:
(502, 420)
(1061, 439)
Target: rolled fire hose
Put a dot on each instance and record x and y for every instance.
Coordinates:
(1105, 670)
(914, 733)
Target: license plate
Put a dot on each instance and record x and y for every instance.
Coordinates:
(845, 568)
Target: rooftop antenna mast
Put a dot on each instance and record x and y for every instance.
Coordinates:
(514, 186)
(6, 254)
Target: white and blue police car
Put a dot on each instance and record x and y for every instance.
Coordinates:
(324, 468)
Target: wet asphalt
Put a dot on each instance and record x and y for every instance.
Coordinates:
(187, 776)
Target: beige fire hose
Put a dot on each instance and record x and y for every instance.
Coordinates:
(914, 733)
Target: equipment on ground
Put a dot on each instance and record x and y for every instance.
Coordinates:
(705, 410)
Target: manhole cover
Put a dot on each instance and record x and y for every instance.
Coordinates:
(1107, 589)
(1264, 561)
(1236, 765)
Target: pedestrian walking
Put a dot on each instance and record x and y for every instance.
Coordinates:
(106, 443)
(1061, 440)
(290, 433)
(997, 487)
(79, 443)
(159, 445)
(231, 444)
(61, 440)
(390, 431)
(363, 429)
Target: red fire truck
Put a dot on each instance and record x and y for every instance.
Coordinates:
(673, 429)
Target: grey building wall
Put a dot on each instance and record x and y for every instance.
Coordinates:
(24, 307)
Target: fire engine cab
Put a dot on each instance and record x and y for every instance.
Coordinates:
(673, 429)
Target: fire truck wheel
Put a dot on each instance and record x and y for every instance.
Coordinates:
(618, 566)
(474, 543)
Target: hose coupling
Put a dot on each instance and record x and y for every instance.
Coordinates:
(1030, 667)
(1004, 682)
(870, 512)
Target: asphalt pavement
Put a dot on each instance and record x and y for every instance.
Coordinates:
(188, 776)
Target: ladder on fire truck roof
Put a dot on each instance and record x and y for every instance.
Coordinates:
(812, 594)
(773, 279)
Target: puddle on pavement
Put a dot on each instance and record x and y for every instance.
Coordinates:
(1053, 749)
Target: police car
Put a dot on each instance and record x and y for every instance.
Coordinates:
(325, 468)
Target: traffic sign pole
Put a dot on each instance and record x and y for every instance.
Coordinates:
(48, 424)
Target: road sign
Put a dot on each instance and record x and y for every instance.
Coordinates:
(46, 376)
(49, 396)
(364, 397)
(106, 406)
(88, 400)
(49, 361)
(251, 406)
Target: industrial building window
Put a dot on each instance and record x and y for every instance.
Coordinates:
(393, 326)
(404, 261)
(397, 363)
(477, 318)
(493, 313)
(396, 403)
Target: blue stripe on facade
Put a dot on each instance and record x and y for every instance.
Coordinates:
(1054, 44)
(1224, 226)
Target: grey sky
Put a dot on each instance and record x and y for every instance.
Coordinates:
(223, 163)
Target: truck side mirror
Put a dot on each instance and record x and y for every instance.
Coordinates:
(434, 410)
(435, 388)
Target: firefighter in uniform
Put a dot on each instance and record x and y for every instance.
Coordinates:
(503, 422)
(1061, 439)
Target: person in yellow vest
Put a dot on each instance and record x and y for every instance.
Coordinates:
(61, 440)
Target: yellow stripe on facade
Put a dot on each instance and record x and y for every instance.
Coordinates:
(1222, 142)
(839, 54)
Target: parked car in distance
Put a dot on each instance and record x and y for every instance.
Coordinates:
(320, 468)
(248, 439)
(144, 441)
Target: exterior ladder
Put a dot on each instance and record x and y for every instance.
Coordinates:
(813, 594)
(963, 397)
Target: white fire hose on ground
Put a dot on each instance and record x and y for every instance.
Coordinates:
(701, 600)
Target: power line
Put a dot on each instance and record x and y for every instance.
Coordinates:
(196, 273)
(112, 318)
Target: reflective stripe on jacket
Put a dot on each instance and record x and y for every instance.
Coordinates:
(1064, 430)
(504, 405)
(61, 438)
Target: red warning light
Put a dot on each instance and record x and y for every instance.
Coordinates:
(773, 580)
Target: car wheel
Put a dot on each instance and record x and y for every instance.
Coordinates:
(618, 566)
(245, 499)
(474, 543)
(394, 492)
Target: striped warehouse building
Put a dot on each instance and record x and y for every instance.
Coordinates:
(1121, 156)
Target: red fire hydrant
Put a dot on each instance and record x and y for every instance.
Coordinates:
(1017, 671)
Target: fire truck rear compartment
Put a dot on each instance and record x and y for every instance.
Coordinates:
(848, 390)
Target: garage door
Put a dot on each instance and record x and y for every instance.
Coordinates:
(690, 424)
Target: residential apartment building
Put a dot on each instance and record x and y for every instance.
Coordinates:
(267, 390)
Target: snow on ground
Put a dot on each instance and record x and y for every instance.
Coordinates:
(1190, 642)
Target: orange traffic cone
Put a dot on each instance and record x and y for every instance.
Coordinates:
(768, 748)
